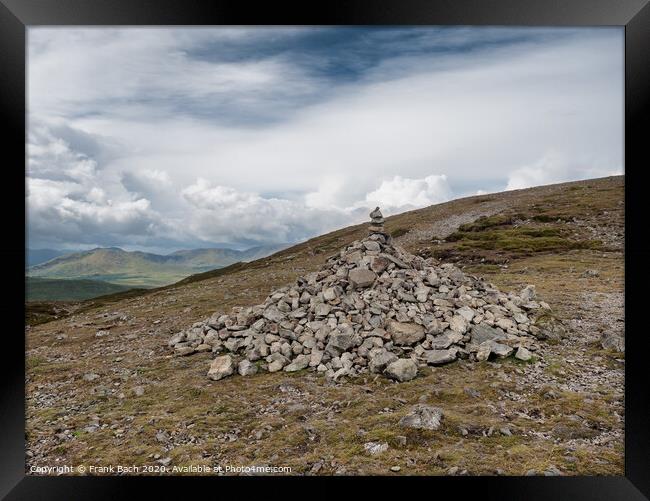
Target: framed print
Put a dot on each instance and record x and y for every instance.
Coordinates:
(387, 241)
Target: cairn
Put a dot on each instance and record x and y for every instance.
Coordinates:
(372, 308)
(376, 228)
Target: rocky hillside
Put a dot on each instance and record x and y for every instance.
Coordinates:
(104, 386)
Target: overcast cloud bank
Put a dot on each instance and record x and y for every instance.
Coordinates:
(161, 139)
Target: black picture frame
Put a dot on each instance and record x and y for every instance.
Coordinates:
(17, 15)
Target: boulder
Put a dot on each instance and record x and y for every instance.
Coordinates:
(613, 342)
(246, 368)
(374, 448)
(458, 323)
(378, 264)
(523, 354)
(440, 357)
(404, 333)
(481, 333)
(402, 370)
(422, 417)
(273, 314)
(338, 343)
(221, 367)
(360, 278)
(499, 349)
(299, 363)
(484, 350)
(380, 361)
(528, 293)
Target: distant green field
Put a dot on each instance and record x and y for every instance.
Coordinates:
(51, 289)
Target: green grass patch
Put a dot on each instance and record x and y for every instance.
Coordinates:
(519, 240)
(483, 223)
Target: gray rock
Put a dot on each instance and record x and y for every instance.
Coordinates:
(273, 314)
(402, 370)
(466, 312)
(299, 363)
(378, 264)
(315, 358)
(422, 416)
(275, 366)
(613, 342)
(528, 293)
(330, 294)
(322, 309)
(379, 362)
(404, 333)
(445, 340)
(184, 350)
(247, 368)
(484, 351)
(506, 323)
(233, 344)
(339, 342)
(374, 448)
(221, 367)
(440, 357)
(398, 262)
(481, 333)
(521, 318)
(371, 245)
(500, 350)
(360, 278)
(523, 354)
(176, 338)
(459, 324)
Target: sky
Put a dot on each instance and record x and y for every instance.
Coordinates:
(160, 139)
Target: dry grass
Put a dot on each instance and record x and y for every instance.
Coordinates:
(317, 422)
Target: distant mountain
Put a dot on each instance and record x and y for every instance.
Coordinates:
(143, 269)
(51, 289)
(209, 259)
(37, 256)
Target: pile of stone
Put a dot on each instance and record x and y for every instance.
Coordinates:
(373, 308)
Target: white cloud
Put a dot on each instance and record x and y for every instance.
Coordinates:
(65, 211)
(555, 167)
(229, 149)
(225, 215)
(276, 220)
(399, 192)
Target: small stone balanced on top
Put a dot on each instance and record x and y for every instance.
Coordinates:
(377, 226)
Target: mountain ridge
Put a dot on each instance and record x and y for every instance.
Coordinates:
(143, 269)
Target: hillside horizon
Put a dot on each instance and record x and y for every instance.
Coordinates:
(141, 269)
(565, 239)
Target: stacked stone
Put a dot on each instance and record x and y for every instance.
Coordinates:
(372, 308)
(376, 228)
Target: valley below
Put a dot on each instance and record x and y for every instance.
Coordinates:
(104, 387)
(72, 276)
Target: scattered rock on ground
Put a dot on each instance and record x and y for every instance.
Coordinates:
(422, 416)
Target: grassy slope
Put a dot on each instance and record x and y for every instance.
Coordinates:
(319, 422)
